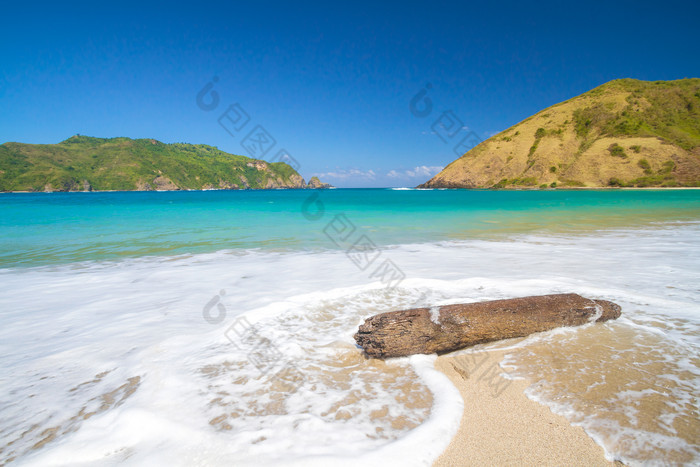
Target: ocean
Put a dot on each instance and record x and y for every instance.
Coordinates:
(216, 327)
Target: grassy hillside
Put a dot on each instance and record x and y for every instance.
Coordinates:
(83, 163)
(625, 133)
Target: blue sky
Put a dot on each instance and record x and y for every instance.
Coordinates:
(331, 84)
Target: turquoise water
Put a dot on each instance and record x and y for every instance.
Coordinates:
(55, 228)
(120, 334)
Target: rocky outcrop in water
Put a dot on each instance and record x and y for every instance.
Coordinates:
(316, 183)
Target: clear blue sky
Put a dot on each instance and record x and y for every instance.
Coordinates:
(330, 82)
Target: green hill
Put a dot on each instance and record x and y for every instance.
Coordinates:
(625, 133)
(83, 163)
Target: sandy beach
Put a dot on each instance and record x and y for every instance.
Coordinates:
(501, 426)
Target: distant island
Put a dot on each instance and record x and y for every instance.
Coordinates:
(84, 163)
(625, 133)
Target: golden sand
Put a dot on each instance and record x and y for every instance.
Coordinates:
(501, 426)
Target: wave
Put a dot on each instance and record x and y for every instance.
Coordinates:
(247, 356)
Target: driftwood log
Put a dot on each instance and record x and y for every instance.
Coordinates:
(451, 327)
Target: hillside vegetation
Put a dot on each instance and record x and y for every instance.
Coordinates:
(83, 163)
(625, 133)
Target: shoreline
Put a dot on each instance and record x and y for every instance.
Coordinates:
(170, 191)
(501, 426)
(602, 188)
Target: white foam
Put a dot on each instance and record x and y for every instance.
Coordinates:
(63, 325)
(435, 314)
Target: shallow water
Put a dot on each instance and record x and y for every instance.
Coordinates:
(57, 228)
(113, 349)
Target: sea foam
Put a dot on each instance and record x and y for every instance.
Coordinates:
(122, 361)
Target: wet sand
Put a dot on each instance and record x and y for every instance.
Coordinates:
(501, 426)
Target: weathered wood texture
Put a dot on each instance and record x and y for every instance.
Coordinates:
(451, 327)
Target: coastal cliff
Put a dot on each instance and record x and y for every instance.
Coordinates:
(83, 163)
(625, 133)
